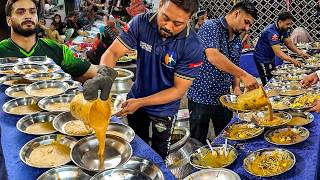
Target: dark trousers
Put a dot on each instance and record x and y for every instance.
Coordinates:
(200, 115)
(162, 128)
(264, 70)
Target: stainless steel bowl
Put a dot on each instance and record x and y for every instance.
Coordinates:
(213, 174)
(117, 152)
(217, 147)
(66, 172)
(285, 89)
(121, 130)
(14, 89)
(73, 84)
(280, 100)
(11, 80)
(41, 60)
(6, 70)
(230, 101)
(46, 84)
(28, 120)
(135, 168)
(20, 68)
(299, 130)
(123, 82)
(301, 113)
(41, 76)
(61, 120)
(53, 67)
(247, 117)
(45, 102)
(8, 106)
(9, 61)
(43, 140)
(64, 76)
(252, 156)
(117, 101)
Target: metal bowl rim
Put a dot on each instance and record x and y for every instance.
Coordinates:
(283, 127)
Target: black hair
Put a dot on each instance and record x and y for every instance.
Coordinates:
(282, 16)
(246, 6)
(190, 6)
(8, 8)
(57, 15)
(200, 13)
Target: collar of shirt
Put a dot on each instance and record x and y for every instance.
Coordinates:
(183, 34)
(224, 24)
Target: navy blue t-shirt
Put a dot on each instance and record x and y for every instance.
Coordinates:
(270, 36)
(159, 61)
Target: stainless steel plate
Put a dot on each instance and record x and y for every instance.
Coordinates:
(64, 76)
(296, 130)
(29, 69)
(42, 76)
(73, 91)
(247, 162)
(261, 118)
(73, 84)
(13, 90)
(66, 172)
(291, 91)
(121, 130)
(28, 101)
(213, 174)
(46, 102)
(117, 101)
(53, 68)
(242, 131)
(44, 85)
(43, 140)
(41, 60)
(9, 61)
(280, 103)
(61, 120)
(301, 113)
(11, 80)
(195, 158)
(246, 116)
(6, 70)
(117, 152)
(28, 120)
(135, 168)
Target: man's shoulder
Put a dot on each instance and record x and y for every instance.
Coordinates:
(4, 43)
(50, 43)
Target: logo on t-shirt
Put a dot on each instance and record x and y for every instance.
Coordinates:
(194, 65)
(170, 59)
(275, 37)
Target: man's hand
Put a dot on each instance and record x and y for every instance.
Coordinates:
(296, 63)
(316, 107)
(250, 82)
(130, 106)
(237, 91)
(304, 55)
(310, 80)
(102, 81)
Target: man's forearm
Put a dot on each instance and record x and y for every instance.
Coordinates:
(292, 47)
(283, 56)
(162, 97)
(107, 59)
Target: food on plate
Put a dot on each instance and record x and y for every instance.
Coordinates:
(46, 92)
(58, 106)
(25, 109)
(40, 128)
(76, 128)
(298, 121)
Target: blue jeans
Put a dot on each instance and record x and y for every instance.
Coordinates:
(200, 115)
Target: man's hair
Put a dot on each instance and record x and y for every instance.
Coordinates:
(189, 6)
(247, 7)
(8, 8)
(285, 15)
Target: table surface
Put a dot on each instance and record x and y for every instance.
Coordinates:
(307, 154)
(12, 141)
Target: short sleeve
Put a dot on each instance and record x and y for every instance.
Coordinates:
(74, 66)
(129, 37)
(273, 38)
(209, 35)
(189, 64)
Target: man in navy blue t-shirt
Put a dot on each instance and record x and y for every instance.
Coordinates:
(269, 45)
(220, 70)
(169, 54)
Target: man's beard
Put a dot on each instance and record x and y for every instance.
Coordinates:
(165, 33)
(17, 28)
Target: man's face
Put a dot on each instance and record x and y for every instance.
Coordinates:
(171, 19)
(23, 18)
(243, 21)
(285, 25)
